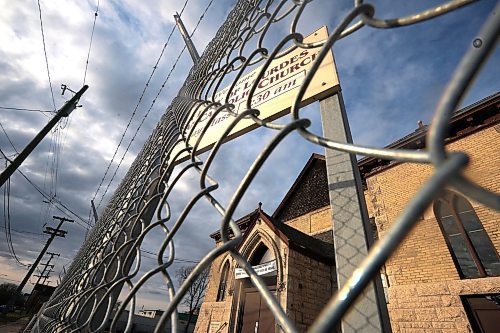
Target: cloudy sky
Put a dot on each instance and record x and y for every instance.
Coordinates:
(390, 80)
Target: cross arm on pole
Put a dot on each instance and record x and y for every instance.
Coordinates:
(64, 111)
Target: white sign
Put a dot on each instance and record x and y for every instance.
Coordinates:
(262, 269)
(273, 97)
(214, 327)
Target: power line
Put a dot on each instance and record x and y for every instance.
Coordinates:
(7, 219)
(191, 261)
(55, 148)
(53, 199)
(7, 159)
(8, 138)
(96, 13)
(23, 231)
(12, 144)
(140, 125)
(23, 109)
(137, 106)
(45, 53)
(55, 135)
(6, 215)
(49, 198)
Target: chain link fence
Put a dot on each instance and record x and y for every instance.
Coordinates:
(110, 260)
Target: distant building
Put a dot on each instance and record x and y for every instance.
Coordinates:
(145, 322)
(150, 313)
(445, 277)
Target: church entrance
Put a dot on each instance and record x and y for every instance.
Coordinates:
(255, 316)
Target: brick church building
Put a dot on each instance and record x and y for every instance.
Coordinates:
(444, 277)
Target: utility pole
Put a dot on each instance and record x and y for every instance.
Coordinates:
(187, 39)
(64, 111)
(53, 233)
(45, 272)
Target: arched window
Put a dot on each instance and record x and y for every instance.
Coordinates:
(223, 282)
(262, 255)
(468, 242)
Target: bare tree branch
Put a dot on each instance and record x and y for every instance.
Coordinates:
(196, 293)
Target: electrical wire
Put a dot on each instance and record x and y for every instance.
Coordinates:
(23, 232)
(50, 199)
(55, 153)
(7, 219)
(190, 261)
(58, 202)
(52, 165)
(45, 53)
(45, 195)
(96, 13)
(8, 138)
(146, 86)
(23, 109)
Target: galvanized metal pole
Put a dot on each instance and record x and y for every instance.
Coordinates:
(187, 39)
(352, 234)
(64, 111)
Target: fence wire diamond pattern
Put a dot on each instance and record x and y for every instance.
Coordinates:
(110, 258)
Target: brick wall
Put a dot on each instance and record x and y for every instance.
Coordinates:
(309, 287)
(425, 288)
(313, 223)
(435, 307)
(212, 311)
(214, 277)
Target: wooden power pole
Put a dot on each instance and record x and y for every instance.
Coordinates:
(57, 232)
(64, 111)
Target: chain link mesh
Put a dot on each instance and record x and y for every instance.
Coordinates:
(110, 258)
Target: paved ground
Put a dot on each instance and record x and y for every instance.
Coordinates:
(14, 327)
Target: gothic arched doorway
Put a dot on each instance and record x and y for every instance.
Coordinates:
(254, 315)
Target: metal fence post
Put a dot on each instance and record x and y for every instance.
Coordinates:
(352, 233)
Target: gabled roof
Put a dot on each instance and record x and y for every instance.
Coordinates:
(308, 245)
(295, 239)
(243, 223)
(470, 119)
(308, 193)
